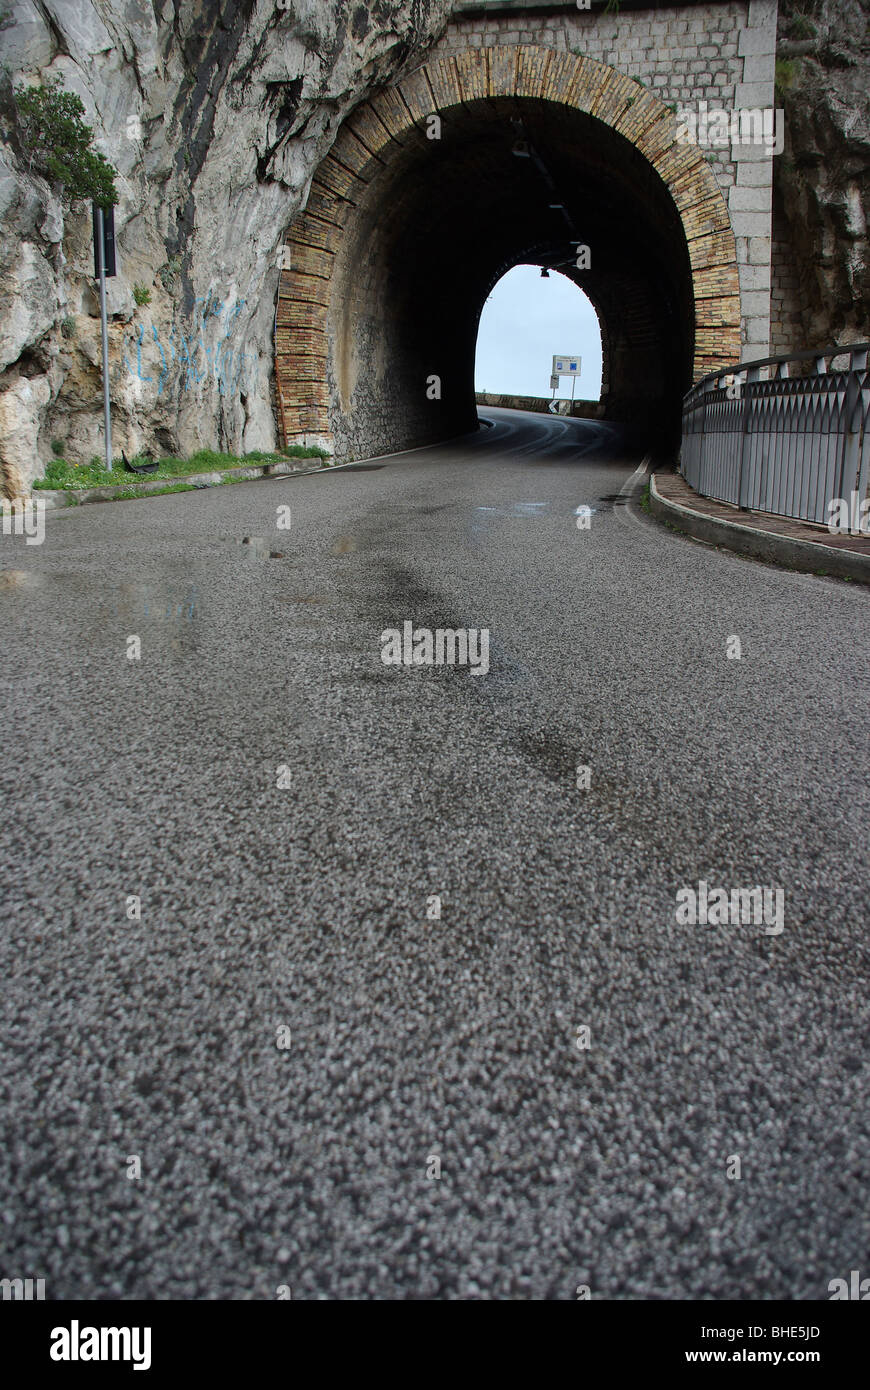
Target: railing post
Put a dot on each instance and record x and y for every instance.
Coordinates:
(851, 426)
(863, 452)
(702, 442)
(752, 374)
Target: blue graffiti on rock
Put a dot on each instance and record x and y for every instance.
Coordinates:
(187, 359)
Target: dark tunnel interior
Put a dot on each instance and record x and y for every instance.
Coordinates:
(510, 181)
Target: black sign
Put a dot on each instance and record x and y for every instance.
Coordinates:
(108, 241)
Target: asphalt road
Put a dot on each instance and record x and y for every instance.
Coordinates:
(304, 907)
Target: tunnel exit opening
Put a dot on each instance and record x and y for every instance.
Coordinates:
(530, 316)
(411, 224)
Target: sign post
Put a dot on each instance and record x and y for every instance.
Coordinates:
(104, 241)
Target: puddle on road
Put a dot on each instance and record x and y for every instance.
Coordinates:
(133, 601)
(483, 516)
(256, 548)
(516, 509)
(601, 505)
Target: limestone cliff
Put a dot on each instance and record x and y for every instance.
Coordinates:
(216, 114)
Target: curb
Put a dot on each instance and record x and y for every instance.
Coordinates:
(810, 556)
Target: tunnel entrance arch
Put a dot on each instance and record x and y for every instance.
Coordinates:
(436, 186)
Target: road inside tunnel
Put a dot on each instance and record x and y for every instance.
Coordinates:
(545, 439)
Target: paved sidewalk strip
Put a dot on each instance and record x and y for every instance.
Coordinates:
(784, 540)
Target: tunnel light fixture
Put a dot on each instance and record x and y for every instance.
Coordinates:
(521, 150)
(545, 274)
(560, 207)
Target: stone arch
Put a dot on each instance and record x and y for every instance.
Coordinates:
(316, 375)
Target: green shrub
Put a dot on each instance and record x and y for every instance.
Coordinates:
(57, 142)
(57, 448)
(68, 327)
(142, 295)
(169, 271)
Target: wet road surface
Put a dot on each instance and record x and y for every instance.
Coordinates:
(290, 1040)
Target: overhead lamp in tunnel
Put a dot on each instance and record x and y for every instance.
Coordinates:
(521, 150)
(560, 207)
(545, 274)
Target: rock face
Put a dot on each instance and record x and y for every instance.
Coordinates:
(822, 180)
(215, 116)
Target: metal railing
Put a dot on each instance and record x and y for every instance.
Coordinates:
(786, 434)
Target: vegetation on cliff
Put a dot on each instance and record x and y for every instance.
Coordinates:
(57, 144)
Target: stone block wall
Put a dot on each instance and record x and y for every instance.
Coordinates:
(787, 332)
(787, 327)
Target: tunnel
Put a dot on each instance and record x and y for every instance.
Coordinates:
(425, 203)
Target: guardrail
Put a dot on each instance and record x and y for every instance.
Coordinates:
(770, 438)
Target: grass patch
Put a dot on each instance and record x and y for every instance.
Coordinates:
(644, 500)
(71, 477)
